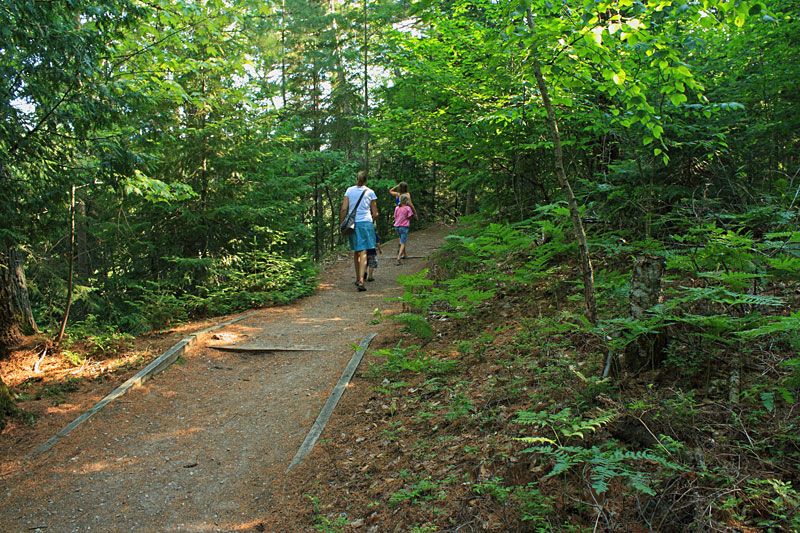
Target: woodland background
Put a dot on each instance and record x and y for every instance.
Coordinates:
(167, 160)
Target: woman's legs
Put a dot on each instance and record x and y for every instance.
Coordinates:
(360, 265)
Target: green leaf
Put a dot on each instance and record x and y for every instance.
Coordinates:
(677, 99)
(768, 401)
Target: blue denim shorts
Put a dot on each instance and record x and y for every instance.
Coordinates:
(403, 232)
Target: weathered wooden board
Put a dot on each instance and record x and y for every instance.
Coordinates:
(264, 348)
(330, 405)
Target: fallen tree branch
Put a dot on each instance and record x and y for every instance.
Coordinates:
(36, 369)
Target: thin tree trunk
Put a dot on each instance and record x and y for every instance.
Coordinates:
(434, 207)
(366, 92)
(71, 260)
(577, 224)
(81, 250)
(81, 241)
(283, 57)
(333, 232)
(318, 221)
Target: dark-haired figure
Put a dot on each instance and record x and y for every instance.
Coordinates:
(363, 238)
(397, 191)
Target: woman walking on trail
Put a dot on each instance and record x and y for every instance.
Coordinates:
(397, 191)
(402, 218)
(363, 200)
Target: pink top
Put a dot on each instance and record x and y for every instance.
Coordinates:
(402, 214)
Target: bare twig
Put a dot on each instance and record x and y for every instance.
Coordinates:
(85, 362)
(653, 435)
(36, 369)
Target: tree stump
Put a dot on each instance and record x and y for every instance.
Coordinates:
(8, 406)
(647, 350)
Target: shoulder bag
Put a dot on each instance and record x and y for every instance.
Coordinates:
(349, 225)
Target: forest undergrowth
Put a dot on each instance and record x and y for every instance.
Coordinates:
(490, 413)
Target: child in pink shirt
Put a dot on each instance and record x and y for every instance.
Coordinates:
(402, 220)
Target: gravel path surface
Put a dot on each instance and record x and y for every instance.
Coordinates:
(202, 446)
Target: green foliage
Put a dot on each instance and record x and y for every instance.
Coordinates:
(536, 507)
(422, 490)
(779, 499)
(793, 379)
(96, 340)
(414, 324)
(57, 393)
(601, 464)
(562, 424)
(458, 297)
(413, 360)
(493, 487)
(460, 407)
(326, 524)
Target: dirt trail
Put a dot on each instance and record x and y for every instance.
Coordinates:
(202, 446)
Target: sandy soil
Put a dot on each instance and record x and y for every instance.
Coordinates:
(205, 445)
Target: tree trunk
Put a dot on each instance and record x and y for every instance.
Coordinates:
(81, 252)
(19, 291)
(366, 93)
(10, 331)
(577, 224)
(283, 58)
(81, 241)
(646, 280)
(16, 317)
(71, 262)
(469, 201)
(8, 407)
(333, 233)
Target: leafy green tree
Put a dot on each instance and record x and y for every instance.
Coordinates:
(55, 96)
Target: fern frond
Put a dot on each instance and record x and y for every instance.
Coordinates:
(783, 324)
(537, 440)
(535, 418)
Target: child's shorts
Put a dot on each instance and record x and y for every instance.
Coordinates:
(403, 232)
(372, 261)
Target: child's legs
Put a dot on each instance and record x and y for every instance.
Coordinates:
(403, 233)
(372, 264)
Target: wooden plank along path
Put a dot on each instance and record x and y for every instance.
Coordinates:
(264, 348)
(333, 400)
(170, 356)
(157, 365)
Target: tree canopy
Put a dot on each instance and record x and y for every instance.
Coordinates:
(165, 160)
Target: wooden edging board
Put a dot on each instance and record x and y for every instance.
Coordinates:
(330, 405)
(155, 366)
(263, 348)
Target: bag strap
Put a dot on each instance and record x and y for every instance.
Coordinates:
(359, 201)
